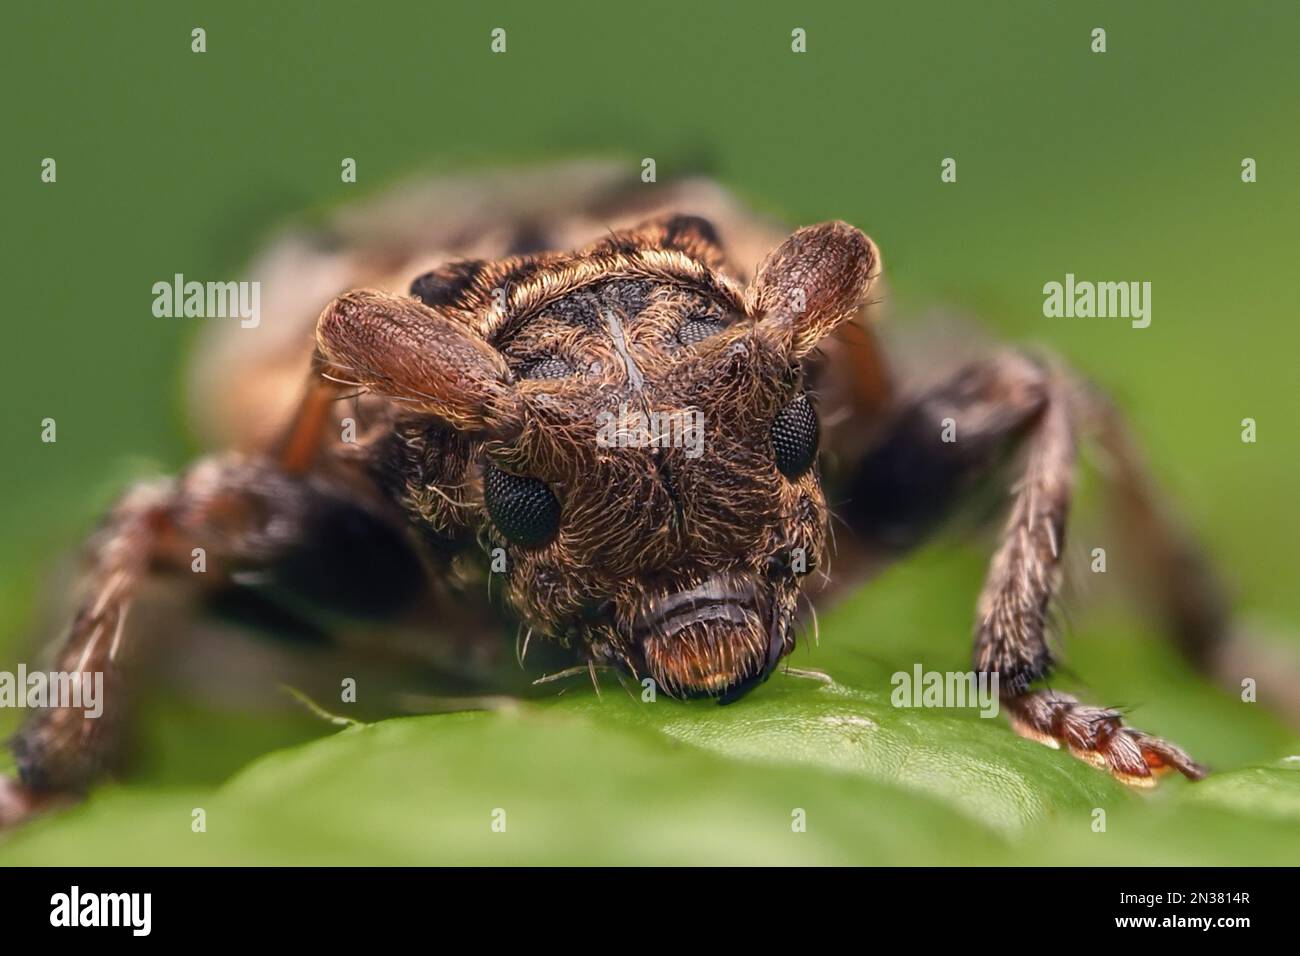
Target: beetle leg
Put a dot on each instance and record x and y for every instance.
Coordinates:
(220, 520)
(60, 749)
(938, 447)
(1097, 735)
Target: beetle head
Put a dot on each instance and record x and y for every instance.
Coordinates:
(642, 445)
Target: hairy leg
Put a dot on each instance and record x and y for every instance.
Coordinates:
(913, 477)
(237, 521)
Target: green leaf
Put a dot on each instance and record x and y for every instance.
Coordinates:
(583, 778)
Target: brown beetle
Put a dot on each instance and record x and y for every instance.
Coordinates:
(481, 365)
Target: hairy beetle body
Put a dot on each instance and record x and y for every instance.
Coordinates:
(629, 406)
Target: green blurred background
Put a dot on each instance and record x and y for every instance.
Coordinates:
(1117, 166)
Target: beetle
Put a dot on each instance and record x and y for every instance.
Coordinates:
(460, 344)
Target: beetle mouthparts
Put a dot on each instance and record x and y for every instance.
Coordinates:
(723, 597)
(709, 639)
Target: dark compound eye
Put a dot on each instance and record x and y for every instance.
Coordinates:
(550, 367)
(697, 330)
(795, 435)
(522, 508)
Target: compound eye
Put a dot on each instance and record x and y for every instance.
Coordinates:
(522, 508)
(552, 366)
(698, 329)
(795, 436)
